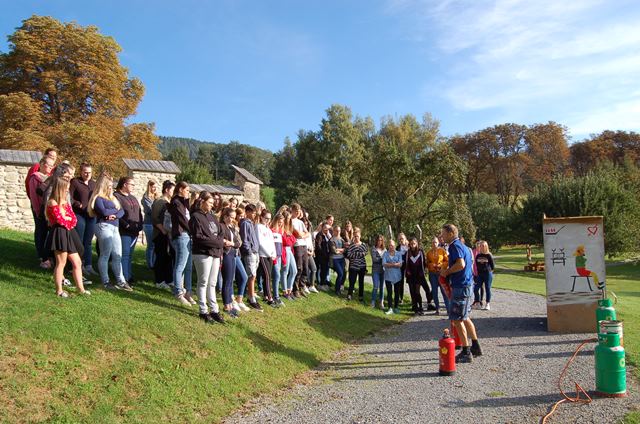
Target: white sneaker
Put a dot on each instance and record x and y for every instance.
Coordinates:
(305, 290)
(235, 306)
(389, 312)
(313, 289)
(487, 307)
(243, 307)
(86, 281)
(183, 300)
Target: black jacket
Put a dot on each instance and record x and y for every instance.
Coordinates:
(206, 234)
(178, 207)
(322, 246)
(131, 223)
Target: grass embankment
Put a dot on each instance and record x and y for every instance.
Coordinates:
(140, 357)
(621, 280)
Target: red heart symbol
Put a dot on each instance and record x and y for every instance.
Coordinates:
(592, 230)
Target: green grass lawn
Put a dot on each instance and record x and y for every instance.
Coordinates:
(623, 280)
(140, 357)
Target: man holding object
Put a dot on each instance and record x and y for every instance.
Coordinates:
(460, 275)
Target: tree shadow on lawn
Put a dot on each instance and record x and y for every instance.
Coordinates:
(266, 345)
(347, 324)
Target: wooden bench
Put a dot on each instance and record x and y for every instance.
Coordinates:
(575, 277)
(536, 266)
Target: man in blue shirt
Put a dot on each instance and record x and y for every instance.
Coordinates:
(460, 274)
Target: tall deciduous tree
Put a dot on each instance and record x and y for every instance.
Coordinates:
(79, 95)
(408, 172)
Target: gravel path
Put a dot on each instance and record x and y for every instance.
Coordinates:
(393, 377)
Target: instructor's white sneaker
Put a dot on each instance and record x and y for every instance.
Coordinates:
(487, 307)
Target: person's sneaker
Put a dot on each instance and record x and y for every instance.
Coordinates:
(323, 287)
(206, 318)
(86, 281)
(476, 350)
(280, 303)
(487, 307)
(124, 286)
(431, 307)
(243, 307)
(232, 313)
(163, 286)
(476, 305)
(88, 270)
(182, 300)
(396, 310)
(464, 358)
(312, 289)
(256, 306)
(108, 286)
(235, 306)
(270, 302)
(189, 299)
(86, 293)
(46, 264)
(349, 297)
(437, 312)
(63, 294)
(389, 312)
(66, 282)
(373, 304)
(306, 290)
(217, 317)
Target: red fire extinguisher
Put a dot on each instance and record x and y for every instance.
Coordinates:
(456, 336)
(447, 354)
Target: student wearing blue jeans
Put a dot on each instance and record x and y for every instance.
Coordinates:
(377, 272)
(485, 266)
(130, 224)
(107, 210)
(337, 256)
(181, 241)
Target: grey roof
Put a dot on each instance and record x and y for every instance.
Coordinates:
(166, 166)
(247, 175)
(20, 157)
(214, 188)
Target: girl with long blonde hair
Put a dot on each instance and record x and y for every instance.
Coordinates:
(63, 240)
(108, 211)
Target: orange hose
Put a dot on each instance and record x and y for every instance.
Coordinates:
(579, 388)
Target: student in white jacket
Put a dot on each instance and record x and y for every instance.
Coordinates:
(267, 254)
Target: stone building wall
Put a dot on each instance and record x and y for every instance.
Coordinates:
(141, 178)
(15, 207)
(251, 190)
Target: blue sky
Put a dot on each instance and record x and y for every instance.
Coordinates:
(258, 71)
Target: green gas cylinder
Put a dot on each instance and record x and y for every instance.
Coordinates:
(611, 371)
(605, 311)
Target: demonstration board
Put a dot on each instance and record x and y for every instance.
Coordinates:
(575, 272)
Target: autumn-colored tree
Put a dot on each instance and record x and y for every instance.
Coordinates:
(547, 153)
(609, 146)
(62, 85)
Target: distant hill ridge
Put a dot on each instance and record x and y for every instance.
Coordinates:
(217, 158)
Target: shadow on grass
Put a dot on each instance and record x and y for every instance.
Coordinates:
(347, 324)
(266, 345)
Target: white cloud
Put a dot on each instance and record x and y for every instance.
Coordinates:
(517, 54)
(618, 116)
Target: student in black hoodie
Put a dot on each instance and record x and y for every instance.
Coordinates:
(178, 208)
(208, 242)
(130, 224)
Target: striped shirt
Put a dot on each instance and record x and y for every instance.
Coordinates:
(356, 254)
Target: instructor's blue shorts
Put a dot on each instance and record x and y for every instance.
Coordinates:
(460, 303)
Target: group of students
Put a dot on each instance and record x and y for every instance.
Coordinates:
(233, 247)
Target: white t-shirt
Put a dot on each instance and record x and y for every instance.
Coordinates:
(299, 226)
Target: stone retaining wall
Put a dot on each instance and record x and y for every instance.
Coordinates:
(15, 207)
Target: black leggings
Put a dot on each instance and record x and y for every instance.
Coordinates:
(397, 288)
(163, 268)
(265, 267)
(359, 274)
(302, 262)
(416, 298)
